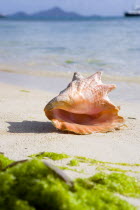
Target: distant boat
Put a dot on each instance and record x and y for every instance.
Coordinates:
(134, 12)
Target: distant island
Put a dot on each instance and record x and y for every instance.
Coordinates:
(2, 16)
(55, 13)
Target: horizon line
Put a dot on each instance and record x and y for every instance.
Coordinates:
(65, 10)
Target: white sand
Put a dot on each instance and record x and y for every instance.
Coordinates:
(24, 130)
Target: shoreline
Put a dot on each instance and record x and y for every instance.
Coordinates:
(124, 92)
(68, 74)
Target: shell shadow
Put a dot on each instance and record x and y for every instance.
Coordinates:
(31, 127)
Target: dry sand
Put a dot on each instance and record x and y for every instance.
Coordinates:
(25, 130)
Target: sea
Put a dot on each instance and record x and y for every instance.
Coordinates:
(58, 48)
(111, 45)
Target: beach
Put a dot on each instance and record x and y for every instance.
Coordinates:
(25, 130)
(35, 67)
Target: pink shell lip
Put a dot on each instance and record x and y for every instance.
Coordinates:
(84, 107)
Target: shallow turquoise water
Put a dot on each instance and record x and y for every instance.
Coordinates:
(110, 45)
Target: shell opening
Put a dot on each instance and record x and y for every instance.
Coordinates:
(83, 119)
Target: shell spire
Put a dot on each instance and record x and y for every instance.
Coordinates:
(77, 76)
(84, 107)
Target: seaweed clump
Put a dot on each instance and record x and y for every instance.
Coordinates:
(4, 161)
(32, 185)
(51, 155)
(73, 162)
(114, 182)
(69, 61)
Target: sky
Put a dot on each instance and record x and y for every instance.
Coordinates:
(85, 7)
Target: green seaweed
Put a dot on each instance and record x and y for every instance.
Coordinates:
(121, 170)
(114, 182)
(96, 62)
(69, 62)
(4, 161)
(26, 91)
(94, 162)
(73, 162)
(33, 186)
(70, 169)
(51, 155)
(57, 156)
(118, 182)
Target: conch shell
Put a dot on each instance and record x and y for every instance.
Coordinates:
(84, 107)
